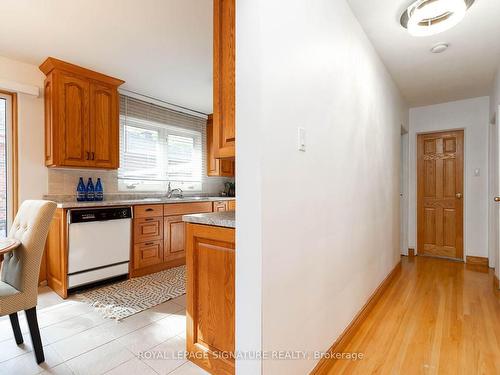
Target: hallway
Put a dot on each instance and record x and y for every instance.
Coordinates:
(436, 317)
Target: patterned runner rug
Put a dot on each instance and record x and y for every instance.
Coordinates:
(125, 298)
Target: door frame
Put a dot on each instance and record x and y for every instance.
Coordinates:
(464, 188)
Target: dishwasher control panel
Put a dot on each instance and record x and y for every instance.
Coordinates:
(99, 214)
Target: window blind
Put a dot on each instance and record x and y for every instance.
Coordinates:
(159, 145)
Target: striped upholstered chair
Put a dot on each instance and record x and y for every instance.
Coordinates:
(21, 268)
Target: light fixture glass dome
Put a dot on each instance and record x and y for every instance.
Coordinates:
(429, 17)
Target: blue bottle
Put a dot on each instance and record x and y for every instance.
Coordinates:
(81, 191)
(90, 190)
(99, 192)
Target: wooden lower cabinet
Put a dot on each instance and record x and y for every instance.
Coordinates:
(148, 253)
(210, 315)
(174, 244)
(231, 205)
(162, 225)
(221, 206)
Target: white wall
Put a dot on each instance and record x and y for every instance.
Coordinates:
(471, 115)
(327, 240)
(32, 170)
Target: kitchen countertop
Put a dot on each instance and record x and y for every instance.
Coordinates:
(218, 219)
(133, 202)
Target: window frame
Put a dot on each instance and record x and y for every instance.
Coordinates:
(141, 184)
(11, 156)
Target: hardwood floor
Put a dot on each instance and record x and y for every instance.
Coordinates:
(436, 317)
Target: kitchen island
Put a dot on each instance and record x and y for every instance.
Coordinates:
(210, 290)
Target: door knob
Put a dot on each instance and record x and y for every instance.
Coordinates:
(497, 199)
(458, 195)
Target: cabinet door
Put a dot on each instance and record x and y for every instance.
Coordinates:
(220, 206)
(104, 126)
(210, 296)
(212, 162)
(227, 168)
(231, 205)
(148, 254)
(74, 137)
(174, 245)
(224, 78)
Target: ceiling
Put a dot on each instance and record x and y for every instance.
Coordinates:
(161, 48)
(465, 70)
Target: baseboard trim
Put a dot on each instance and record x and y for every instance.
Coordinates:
(477, 261)
(411, 252)
(341, 343)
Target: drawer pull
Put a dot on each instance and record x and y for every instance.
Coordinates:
(149, 243)
(149, 209)
(149, 219)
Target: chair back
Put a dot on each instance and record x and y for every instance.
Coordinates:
(21, 267)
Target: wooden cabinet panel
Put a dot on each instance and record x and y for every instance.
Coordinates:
(104, 129)
(224, 78)
(221, 206)
(148, 253)
(231, 205)
(49, 130)
(56, 254)
(216, 167)
(174, 231)
(210, 260)
(170, 209)
(81, 116)
(74, 140)
(148, 229)
(148, 210)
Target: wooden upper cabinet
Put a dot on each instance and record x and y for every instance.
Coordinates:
(73, 121)
(81, 117)
(105, 130)
(216, 167)
(224, 79)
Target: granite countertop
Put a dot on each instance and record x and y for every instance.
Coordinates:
(218, 219)
(132, 202)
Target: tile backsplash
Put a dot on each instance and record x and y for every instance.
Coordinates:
(62, 182)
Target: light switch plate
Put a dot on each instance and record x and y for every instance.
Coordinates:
(302, 139)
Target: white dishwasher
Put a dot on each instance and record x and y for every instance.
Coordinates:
(99, 241)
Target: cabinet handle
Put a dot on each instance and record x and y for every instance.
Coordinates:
(88, 155)
(149, 209)
(149, 243)
(149, 219)
(93, 155)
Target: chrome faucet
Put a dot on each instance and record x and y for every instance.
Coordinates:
(171, 192)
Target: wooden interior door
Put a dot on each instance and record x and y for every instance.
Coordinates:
(104, 126)
(74, 121)
(440, 169)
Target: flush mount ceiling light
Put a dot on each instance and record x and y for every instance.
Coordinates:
(429, 17)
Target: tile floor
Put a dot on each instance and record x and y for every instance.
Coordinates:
(77, 340)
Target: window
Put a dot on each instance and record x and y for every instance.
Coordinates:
(157, 146)
(6, 196)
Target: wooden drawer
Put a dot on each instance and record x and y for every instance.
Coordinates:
(220, 206)
(148, 254)
(232, 205)
(149, 210)
(187, 208)
(148, 229)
